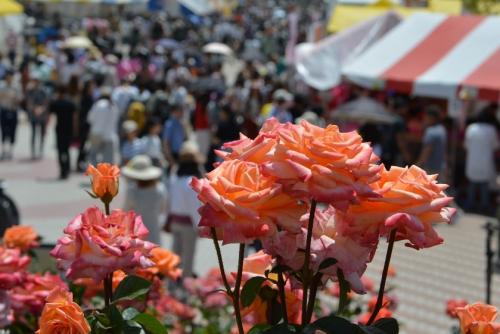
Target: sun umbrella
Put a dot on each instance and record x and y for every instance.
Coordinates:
(364, 110)
(218, 48)
(77, 42)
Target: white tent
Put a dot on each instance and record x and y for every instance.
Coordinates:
(434, 55)
(320, 64)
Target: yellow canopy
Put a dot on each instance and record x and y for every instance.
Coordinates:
(8, 7)
(345, 16)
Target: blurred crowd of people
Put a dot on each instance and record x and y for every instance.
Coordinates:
(145, 95)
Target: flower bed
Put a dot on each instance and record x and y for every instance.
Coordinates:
(316, 199)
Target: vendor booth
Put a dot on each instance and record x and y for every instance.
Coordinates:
(434, 55)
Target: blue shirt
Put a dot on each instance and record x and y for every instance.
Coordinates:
(173, 132)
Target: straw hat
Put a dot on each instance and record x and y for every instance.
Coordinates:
(141, 168)
(190, 152)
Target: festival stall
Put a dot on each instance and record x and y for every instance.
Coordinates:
(348, 13)
(333, 52)
(434, 55)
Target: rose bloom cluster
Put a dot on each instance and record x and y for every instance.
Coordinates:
(264, 189)
(22, 292)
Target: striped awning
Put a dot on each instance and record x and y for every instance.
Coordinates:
(434, 55)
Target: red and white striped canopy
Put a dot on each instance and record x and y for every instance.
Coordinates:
(434, 55)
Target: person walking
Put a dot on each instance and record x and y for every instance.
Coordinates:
(37, 100)
(146, 195)
(481, 142)
(183, 216)
(64, 109)
(173, 135)
(10, 98)
(103, 120)
(86, 102)
(433, 154)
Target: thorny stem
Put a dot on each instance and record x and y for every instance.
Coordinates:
(380, 298)
(306, 275)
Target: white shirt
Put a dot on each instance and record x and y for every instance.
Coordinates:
(123, 95)
(481, 141)
(151, 204)
(103, 120)
(184, 201)
(152, 146)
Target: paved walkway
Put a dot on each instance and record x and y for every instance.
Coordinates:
(425, 279)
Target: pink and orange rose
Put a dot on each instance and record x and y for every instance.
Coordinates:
(30, 296)
(95, 245)
(258, 312)
(62, 315)
(244, 204)
(322, 163)
(478, 318)
(22, 237)
(411, 202)
(327, 242)
(165, 263)
(13, 265)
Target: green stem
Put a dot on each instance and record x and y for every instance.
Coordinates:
(312, 296)
(281, 287)
(306, 275)
(108, 289)
(380, 298)
(236, 292)
(108, 280)
(221, 262)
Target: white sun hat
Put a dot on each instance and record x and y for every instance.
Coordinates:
(141, 168)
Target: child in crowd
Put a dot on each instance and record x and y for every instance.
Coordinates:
(151, 142)
(145, 194)
(132, 146)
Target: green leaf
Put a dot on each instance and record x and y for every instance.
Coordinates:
(129, 313)
(77, 291)
(259, 329)
(131, 288)
(103, 320)
(332, 325)
(345, 287)
(281, 329)
(116, 318)
(91, 194)
(387, 325)
(251, 290)
(327, 263)
(150, 324)
(267, 293)
(281, 268)
(370, 330)
(132, 327)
